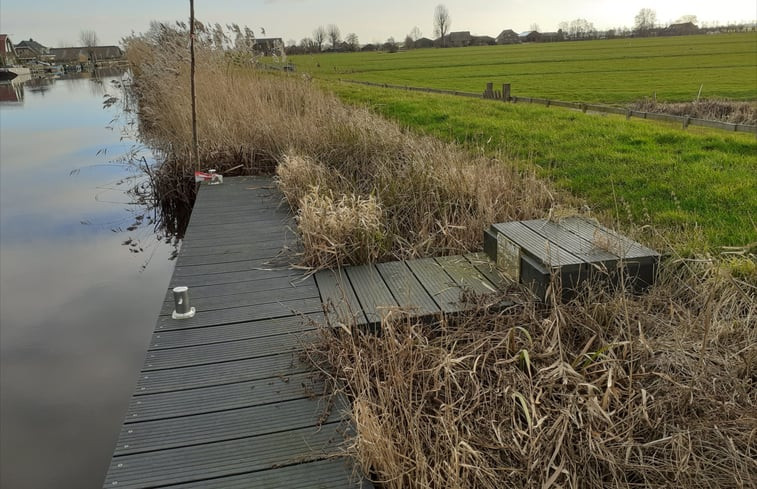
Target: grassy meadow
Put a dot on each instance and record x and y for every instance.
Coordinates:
(637, 171)
(615, 71)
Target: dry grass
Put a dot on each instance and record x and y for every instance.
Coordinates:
(610, 390)
(712, 109)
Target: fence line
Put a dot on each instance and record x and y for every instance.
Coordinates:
(504, 96)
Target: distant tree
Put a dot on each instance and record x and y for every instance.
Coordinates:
(645, 20)
(442, 22)
(334, 35)
(535, 27)
(581, 29)
(352, 41)
(409, 43)
(687, 18)
(319, 35)
(415, 33)
(88, 38)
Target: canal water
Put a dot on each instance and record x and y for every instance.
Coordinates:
(82, 278)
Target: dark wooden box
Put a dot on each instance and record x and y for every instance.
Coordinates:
(567, 253)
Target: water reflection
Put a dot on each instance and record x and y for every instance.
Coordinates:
(76, 307)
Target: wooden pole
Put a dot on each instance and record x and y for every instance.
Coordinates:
(195, 148)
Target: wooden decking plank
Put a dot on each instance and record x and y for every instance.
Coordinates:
(240, 300)
(247, 287)
(264, 262)
(283, 365)
(338, 297)
(374, 296)
(231, 332)
(550, 254)
(233, 277)
(224, 458)
(227, 425)
(406, 289)
(242, 314)
(488, 269)
(223, 397)
(320, 474)
(224, 352)
(569, 241)
(619, 245)
(437, 283)
(465, 275)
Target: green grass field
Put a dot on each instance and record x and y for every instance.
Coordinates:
(658, 173)
(608, 71)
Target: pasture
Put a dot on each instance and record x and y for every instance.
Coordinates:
(615, 71)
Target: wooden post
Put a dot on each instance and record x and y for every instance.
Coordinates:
(195, 147)
(488, 93)
(685, 121)
(505, 92)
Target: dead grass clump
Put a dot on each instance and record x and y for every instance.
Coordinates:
(712, 109)
(336, 229)
(609, 390)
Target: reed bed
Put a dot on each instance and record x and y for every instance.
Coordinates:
(609, 390)
(422, 196)
(734, 111)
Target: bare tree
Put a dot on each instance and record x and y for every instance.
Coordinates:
(687, 18)
(535, 27)
(352, 41)
(88, 38)
(581, 29)
(334, 35)
(442, 22)
(645, 20)
(415, 33)
(319, 35)
(409, 43)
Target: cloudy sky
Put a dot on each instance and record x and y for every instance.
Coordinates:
(56, 23)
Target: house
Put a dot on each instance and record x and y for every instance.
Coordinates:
(457, 39)
(683, 29)
(529, 36)
(7, 51)
(550, 36)
(32, 50)
(508, 36)
(483, 41)
(268, 45)
(423, 42)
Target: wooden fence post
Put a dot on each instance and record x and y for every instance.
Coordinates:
(505, 92)
(685, 121)
(489, 93)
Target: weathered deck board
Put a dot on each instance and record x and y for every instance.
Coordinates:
(224, 399)
(406, 289)
(374, 296)
(338, 297)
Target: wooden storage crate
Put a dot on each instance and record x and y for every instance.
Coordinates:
(571, 251)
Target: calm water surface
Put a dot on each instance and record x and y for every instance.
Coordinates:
(76, 305)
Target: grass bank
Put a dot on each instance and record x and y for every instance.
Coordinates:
(616, 71)
(633, 171)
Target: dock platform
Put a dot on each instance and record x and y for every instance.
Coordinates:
(223, 399)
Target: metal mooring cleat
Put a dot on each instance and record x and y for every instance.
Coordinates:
(182, 310)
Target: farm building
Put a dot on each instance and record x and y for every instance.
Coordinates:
(31, 50)
(268, 45)
(84, 54)
(529, 36)
(423, 42)
(550, 37)
(683, 29)
(508, 36)
(483, 41)
(457, 39)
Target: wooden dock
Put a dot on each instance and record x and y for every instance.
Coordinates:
(224, 399)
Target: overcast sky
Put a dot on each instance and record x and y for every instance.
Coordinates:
(55, 22)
